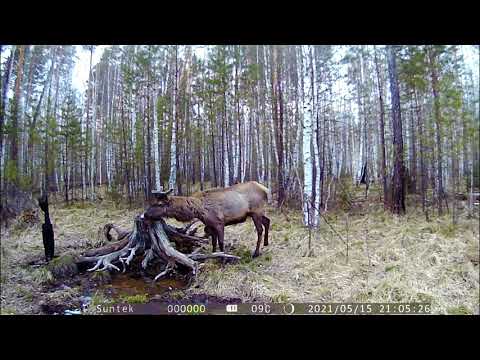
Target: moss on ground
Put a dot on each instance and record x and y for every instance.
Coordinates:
(63, 266)
(459, 310)
(134, 299)
(42, 276)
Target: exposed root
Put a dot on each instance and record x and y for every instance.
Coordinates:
(130, 256)
(121, 233)
(148, 256)
(190, 229)
(170, 266)
(183, 236)
(214, 255)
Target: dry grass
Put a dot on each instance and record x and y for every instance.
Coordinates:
(401, 259)
(76, 227)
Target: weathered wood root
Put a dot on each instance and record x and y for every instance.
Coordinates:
(214, 255)
(182, 236)
(189, 229)
(107, 249)
(153, 242)
(121, 233)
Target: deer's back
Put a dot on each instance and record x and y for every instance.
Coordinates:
(235, 202)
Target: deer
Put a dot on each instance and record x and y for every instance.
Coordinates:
(216, 208)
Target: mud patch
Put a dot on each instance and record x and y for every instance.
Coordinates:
(135, 284)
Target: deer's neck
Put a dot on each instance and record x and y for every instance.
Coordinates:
(189, 209)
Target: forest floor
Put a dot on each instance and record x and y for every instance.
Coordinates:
(390, 259)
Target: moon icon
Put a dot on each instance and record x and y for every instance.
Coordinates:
(288, 308)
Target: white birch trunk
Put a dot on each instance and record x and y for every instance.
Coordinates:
(470, 200)
(173, 153)
(225, 156)
(156, 154)
(94, 124)
(308, 212)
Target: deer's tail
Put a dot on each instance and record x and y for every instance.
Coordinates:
(267, 192)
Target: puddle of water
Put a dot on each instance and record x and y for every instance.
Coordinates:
(134, 284)
(125, 284)
(128, 284)
(158, 293)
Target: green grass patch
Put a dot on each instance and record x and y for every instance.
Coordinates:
(63, 266)
(26, 293)
(448, 230)
(42, 276)
(134, 299)
(7, 311)
(280, 298)
(459, 310)
(80, 205)
(244, 253)
(176, 294)
(98, 298)
(424, 298)
(391, 268)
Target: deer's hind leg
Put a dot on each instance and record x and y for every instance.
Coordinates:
(220, 230)
(257, 220)
(266, 225)
(210, 232)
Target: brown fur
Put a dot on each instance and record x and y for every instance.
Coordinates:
(218, 208)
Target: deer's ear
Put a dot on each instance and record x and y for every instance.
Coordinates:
(161, 195)
(164, 196)
(162, 199)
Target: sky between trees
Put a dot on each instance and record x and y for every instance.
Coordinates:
(301, 119)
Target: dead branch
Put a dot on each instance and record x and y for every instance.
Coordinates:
(213, 256)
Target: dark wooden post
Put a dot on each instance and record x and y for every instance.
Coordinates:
(47, 229)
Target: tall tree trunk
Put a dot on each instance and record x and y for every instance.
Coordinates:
(423, 170)
(398, 183)
(47, 156)
(149, 141)
(237, 98)
(382, 133)
(5, 80)
(173, 152)
(156, 144)
(14, 122)
(438, 121)
(3, 101)
(125, 154)
(85, 171)
(309, 185)
(24, 140)
(413, 160)
(277, 119)
(281, 165)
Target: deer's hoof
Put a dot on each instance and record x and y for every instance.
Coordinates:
(255, 254)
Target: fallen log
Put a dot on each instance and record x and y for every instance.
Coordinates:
(154, 242)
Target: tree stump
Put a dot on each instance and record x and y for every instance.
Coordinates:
(153, 241)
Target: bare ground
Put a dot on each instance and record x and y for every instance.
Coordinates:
(390, 259)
